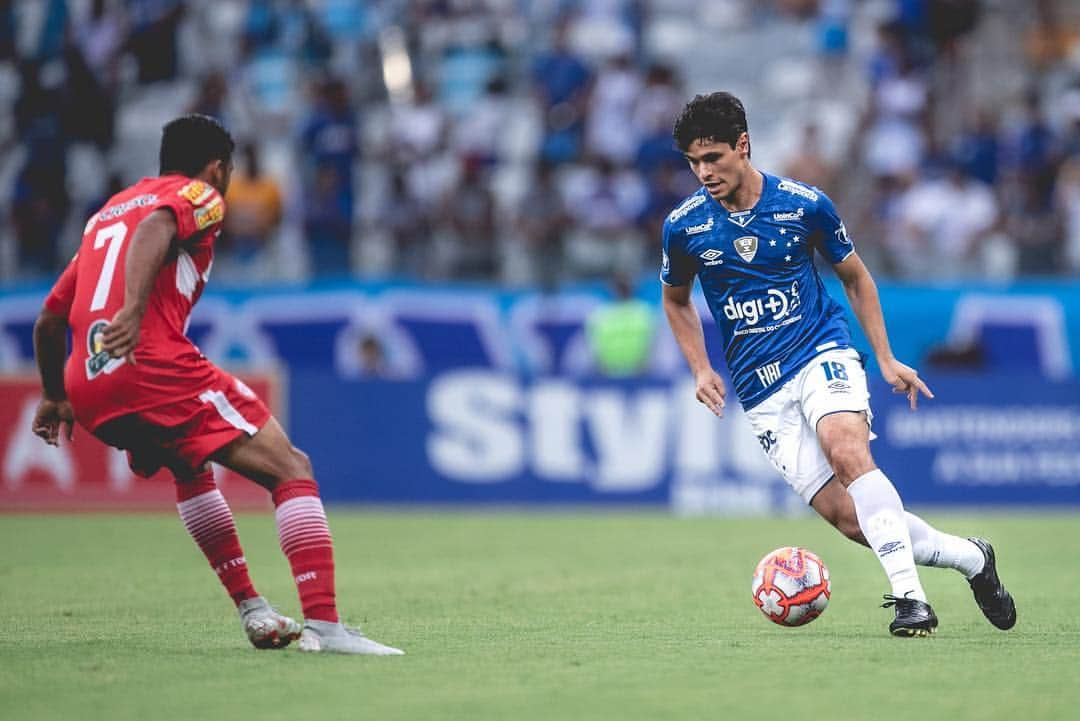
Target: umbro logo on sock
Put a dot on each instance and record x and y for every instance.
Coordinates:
(890, 547)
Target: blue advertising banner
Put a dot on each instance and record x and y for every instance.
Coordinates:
(408, 394)
(992, 440)
(483, 436)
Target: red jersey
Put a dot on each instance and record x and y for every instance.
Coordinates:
(168, 367)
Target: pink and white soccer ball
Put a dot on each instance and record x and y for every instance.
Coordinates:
(791, 586)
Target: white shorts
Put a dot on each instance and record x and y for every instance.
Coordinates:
(786, 422)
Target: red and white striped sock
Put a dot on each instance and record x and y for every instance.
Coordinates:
(305, 540)
(209, 520)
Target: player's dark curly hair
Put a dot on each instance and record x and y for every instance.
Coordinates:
(189, 142)
(719, 117)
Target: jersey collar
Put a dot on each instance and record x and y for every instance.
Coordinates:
(743, 218)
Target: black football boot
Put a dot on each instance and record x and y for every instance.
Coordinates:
(994, 601)
(913, 617)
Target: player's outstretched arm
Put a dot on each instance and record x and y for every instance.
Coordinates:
(685, 325)
(50, 349)
(149, 247)
(862, 293)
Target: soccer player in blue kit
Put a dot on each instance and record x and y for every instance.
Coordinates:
(750, 238)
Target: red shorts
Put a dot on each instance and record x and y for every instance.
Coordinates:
(182, 435)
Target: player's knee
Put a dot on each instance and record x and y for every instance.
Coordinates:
(849, 459)
(299, 464)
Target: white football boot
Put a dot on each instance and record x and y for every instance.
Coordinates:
(326, 637)
(265, 627)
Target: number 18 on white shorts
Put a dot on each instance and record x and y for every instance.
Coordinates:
(786, 422)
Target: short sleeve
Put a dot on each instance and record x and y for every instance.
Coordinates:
(60, 298)
(830, 235)
(676, 267)
(198, 207)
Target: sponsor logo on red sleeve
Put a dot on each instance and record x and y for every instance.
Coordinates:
(210, 214)
(196, 192)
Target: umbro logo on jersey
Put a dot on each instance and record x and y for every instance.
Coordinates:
(746, 247)
(742, 218)
(712, 257)
(704, 227)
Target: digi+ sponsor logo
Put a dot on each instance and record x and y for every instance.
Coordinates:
(777, 304)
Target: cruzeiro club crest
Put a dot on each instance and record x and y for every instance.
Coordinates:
(98, 360)
(746, 247)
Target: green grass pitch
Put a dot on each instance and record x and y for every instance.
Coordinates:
(526, 616)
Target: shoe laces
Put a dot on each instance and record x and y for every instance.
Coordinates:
(903, 603)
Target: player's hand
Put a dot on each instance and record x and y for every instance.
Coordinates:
(51, 418)
(905, 379)
(122, 334)
(711, 391)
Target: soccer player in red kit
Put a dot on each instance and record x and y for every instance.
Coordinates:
(135, 381)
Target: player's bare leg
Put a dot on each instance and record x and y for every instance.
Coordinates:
(845, 440)
(210, 522)
(973, 557)
(271, 460)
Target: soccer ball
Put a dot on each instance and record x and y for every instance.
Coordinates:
(791, 586)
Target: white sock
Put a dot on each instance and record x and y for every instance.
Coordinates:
(881, 519)
(931, 547)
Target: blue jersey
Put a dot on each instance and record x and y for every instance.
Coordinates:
(756, 268)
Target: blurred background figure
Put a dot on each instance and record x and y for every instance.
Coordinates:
(255, 207)
(809, 163)
(542, 220)
(39, 198)
(605, 204)
(328, 221)
(154, 38)
(942, 223)
(560, 81)
(371, 358)
(466, 227)
(621, 332)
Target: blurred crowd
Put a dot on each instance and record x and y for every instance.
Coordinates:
(529, 143)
